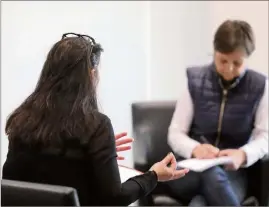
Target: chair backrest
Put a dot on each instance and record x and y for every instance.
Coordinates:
(17, 193)
(151, 121)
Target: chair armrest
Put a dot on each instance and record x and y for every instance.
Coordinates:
(165, 200)
(264, 200)
(258, 181)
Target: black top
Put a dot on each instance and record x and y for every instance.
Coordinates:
(90, 166)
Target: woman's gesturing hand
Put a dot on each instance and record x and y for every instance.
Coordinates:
(167, 169)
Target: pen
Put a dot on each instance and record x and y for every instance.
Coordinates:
(204, 140)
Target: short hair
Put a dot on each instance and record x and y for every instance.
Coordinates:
(234, 34)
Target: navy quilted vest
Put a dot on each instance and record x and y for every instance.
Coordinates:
(225, 118)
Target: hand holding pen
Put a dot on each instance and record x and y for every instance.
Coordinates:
(205, 150)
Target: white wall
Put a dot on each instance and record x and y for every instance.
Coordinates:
(179, 32)
(147, 46)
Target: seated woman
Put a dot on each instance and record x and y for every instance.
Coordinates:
(223, 111)
(57, 135)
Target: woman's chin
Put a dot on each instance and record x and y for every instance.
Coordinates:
(228, 77)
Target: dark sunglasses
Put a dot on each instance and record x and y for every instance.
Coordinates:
(86, 37)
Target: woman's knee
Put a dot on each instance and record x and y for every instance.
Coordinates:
(214, 174)
(217, 189)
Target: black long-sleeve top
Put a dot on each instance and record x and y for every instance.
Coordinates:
(90, 166)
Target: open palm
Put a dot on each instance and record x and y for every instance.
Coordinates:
(121, 139)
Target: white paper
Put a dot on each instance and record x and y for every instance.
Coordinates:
(199, 165)
(126, 173)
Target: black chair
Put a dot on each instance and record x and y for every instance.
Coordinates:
(17, 193)
(150, 128)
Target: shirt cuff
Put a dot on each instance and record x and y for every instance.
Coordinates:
(188, 148)
(147, 181)
(250, 156)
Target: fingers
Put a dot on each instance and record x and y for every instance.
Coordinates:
(203, 154)
(120, 158)
(173, 162)
(210, 155)
(168, 158)
(124, 148)
(212, 149)
(206, 151)
(229, 167)
(118, 136)
(124, 141)
(180, 173)
(223, 153)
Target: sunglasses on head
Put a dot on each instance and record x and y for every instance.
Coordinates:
(86, 37)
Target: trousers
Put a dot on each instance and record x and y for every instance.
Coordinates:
(213, 187)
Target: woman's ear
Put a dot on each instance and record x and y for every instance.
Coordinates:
(93, 73)
(94, 76)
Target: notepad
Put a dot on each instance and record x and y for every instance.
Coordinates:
(126, 173)
(200, 165)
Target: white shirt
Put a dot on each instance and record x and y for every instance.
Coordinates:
(183, 145)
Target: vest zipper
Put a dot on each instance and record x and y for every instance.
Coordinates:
(222, 107)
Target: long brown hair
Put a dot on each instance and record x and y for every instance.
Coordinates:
(64, 99)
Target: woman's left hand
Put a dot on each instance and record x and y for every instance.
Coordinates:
(121, 140)
(238, 156)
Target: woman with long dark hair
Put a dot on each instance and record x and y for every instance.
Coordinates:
(58, 136)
